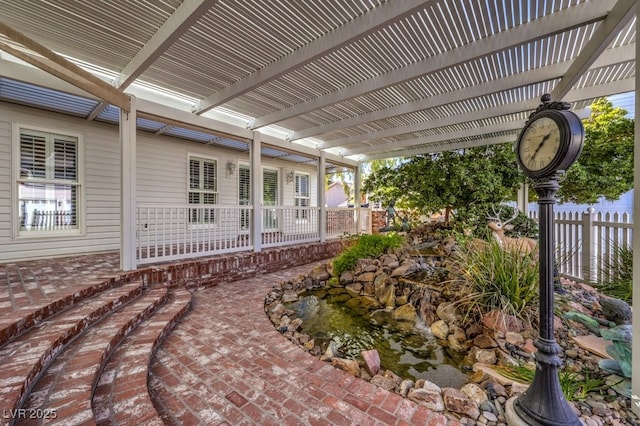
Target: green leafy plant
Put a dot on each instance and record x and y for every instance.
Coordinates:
(497, 278)
(576, 386)
(366, 246)
(519, 373)
(616, 272)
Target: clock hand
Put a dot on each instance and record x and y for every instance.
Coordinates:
(547, 136)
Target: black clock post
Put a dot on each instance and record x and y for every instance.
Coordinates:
(543, 403)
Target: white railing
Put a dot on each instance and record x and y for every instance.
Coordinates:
(179, 232)
(587, 243)
(341, 221)
(289, 225)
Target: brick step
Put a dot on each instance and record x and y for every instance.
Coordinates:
(15, 322)
(122, 395)
(25, 358)
(66, 387)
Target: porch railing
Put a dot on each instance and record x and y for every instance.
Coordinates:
(178, 232)
(587, 244)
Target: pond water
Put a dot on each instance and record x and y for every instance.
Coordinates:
(407, 349)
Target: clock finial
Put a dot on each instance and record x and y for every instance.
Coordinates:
(545, 98)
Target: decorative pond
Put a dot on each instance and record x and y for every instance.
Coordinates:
(406, 348)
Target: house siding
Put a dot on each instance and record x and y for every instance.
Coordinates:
(101, 197)
(161, 179)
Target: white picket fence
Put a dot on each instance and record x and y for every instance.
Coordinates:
(588, 243)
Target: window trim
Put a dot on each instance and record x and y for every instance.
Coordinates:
(304, 214)
(201, 157)
(80, 183)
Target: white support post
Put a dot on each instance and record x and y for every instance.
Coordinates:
(256, 191)
(589, 246)
(322, 202)
(128, 237)
(635, 348)
(523, 198)
(357, 195)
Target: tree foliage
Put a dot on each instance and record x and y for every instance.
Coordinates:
(605, 168)
(448, 180)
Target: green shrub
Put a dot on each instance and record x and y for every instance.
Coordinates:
(616, 278)
(497, 278)
(366, 246)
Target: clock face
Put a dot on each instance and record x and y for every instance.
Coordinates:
(539, 144)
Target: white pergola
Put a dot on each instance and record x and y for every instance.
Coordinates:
(353, 79)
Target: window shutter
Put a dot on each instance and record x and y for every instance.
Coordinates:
(65, 159)
(244, 185)
(270, 187)
(33, 156)
(302, 185)
(209, 175)
(194, 174)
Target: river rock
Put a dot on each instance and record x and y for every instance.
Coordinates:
(387, 295)
(447, 311)
(484, 341)
(319, 273)
(289, 296)
(455, 344)
(458, 402)
(486, 356)
(427, 398)
(440, 329)
(386, 383)
(349, 365)
(475, 393)
(514, 338)
(346, 277)
(353, 289)
(366, 277)
(295, 324)
(380, 281)
(405, 269)
(405, 313)
(405, 386)
(370, 303)
(371, 361)
(499, 321)
(390, 261)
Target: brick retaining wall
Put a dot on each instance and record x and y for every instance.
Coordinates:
(219, 269)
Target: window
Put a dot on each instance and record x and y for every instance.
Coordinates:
(244, 195)
(203, 189)
(301, 195)
(269, 198)
(48, 184)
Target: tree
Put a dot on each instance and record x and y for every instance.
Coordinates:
(448, 180)
(605, 168)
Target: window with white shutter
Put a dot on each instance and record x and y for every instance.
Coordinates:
(269, 198)
(301, 195)
(203, 189)
(48, 183)
(244, 195)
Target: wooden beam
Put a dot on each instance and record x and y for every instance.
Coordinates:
(62, 68)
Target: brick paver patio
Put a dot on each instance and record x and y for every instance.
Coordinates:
(222, 364)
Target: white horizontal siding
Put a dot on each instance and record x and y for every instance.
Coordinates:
(101, 186)
(162, 177)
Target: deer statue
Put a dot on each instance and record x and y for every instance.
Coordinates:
(498, 226)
